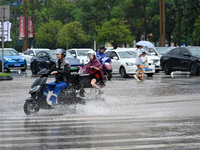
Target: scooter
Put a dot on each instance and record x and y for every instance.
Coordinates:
(67, 96)
(107, 67)
(38, 101)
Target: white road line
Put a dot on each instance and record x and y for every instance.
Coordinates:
(29, 143)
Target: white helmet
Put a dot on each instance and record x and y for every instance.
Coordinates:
(90, 53)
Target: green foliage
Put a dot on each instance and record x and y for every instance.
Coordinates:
(196, 33)
(141, 17)
(5, 74)
(115, 32)
(72, 33)
(47, 33)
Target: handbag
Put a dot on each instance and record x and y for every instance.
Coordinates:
(146, 66)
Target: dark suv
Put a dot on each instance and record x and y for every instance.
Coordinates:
(181, 59)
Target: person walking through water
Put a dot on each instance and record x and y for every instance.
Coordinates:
(143, 63)
(137, 61)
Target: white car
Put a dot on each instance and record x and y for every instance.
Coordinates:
(28, 54)
(123, 62)
(154, 59)
(80, 54)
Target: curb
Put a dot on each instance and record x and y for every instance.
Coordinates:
(2, 78)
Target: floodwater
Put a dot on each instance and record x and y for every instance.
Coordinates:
(160, 113)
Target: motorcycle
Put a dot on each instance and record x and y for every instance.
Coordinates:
(67, 96)
(38, 101)
(107, 67)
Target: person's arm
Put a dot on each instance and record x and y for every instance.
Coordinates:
(93, 67)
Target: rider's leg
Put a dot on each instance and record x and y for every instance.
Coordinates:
(50, 87)
(58, 88)
(93, 83)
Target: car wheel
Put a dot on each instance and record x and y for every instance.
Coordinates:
(167, 68)
(150, 74)
(194, 69)
(123, 72)
(33, 70)
(24, 69)
(109, 75)
(157, 71)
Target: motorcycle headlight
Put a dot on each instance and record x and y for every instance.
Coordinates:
(34, 89)
(129, 64)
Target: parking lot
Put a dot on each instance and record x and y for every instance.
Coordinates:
(160, 113)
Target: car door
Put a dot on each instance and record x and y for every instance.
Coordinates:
(175, 59)
(115, 62)
(27, 56)
(185, 59)
(42, 60)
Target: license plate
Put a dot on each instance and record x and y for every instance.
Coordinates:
(74, 68)
(17, 65)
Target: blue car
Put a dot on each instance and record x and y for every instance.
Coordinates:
(46, 59)
(12, 60)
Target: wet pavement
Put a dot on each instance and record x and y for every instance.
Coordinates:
(159, 113)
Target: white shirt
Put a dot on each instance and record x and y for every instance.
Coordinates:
(138, 53)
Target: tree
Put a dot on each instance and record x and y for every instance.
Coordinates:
(61, 10)
(196, 32)
(47, 33)
(72, 33)
(115, 32)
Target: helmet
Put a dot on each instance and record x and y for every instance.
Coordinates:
(91, 53)
(61, 51)
(102, 48)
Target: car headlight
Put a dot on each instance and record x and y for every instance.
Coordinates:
(22, 58)
(129, 64)
(7, 59)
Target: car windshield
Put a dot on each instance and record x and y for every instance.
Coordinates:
(82, 52)
(53, 54)
(9, 53)
(127, 54)
(194, 50)
(37, 51)
(163, 50)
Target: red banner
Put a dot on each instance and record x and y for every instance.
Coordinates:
(30, 28)
(21, 27)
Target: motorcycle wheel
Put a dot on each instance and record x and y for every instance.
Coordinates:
(109, 75)
(31, 107)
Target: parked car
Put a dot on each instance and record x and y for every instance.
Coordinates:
(12, 60)
(123, 62)
(47, 58)
(158, 51)
(28, 54)
(80, 54)
(181, 59)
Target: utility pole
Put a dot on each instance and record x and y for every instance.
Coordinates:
(162, 22)
(25, 13)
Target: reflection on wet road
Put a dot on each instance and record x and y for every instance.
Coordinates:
(160, 113)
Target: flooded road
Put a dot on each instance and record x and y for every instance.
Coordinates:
(159, 113)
